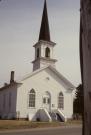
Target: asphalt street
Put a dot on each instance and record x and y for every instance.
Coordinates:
(74, 130)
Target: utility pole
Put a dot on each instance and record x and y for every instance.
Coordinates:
(85, 60)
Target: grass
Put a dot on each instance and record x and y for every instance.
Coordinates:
(18, 124)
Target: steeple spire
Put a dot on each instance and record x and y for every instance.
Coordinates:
(44, 47)
(44, 30)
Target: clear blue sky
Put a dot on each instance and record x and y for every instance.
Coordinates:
(19, 30)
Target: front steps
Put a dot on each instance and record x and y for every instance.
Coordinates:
(43, 115)
(57, 115)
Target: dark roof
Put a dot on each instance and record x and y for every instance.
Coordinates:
(9, 85)
(44, 30)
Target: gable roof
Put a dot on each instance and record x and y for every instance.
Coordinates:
(67, 83)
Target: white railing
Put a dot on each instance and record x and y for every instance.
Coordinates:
(44, 115)
(63, 117)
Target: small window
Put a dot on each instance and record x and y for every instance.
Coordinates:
(44, 100)
(32, 98)
(48, 100)
(61, 100)
(37, 52)
(47, 52)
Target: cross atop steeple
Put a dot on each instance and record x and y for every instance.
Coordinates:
(44, 30)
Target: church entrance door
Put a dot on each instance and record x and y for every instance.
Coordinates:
(47, 101)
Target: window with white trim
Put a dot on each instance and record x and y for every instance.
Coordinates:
(32, 98)
(44, 100)
(47, 52)
(61, 100)
(37, 52)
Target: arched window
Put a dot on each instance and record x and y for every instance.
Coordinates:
(47, 52)
(61, 100)
(32, 98)
(37, 52)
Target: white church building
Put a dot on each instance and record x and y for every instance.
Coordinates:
(43, 95)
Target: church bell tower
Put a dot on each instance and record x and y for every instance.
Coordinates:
(44, 47)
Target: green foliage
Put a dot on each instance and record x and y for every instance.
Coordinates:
(78, 102)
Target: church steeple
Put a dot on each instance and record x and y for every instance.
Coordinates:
(44, 47)
(44, 30)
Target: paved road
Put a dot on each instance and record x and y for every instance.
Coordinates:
(76, 130)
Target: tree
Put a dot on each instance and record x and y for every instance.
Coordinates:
(78, 102)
